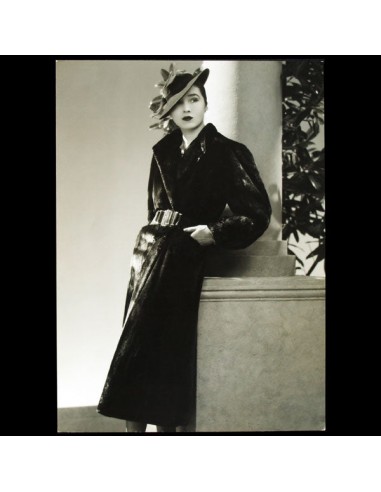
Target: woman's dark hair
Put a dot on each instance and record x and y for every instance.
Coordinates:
(202, 90)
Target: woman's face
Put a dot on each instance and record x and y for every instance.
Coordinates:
(188, 114)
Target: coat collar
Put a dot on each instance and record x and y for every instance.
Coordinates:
(164, 151)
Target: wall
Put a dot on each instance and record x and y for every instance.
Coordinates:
(103, 158)
(261, 355)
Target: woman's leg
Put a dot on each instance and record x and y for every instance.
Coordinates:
(165, 428)
(132, 426)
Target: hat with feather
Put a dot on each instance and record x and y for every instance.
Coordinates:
(175, 85)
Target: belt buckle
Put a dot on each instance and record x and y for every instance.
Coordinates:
(171, 217)
(167, 217)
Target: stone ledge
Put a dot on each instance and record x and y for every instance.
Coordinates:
(263, 288)
(296, 282)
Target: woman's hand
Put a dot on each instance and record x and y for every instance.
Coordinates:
(202, 234)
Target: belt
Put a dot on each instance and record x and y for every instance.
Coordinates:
(171, 218)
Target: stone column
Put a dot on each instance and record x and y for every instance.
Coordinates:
(244, 102)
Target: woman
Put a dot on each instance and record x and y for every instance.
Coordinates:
(195, 171)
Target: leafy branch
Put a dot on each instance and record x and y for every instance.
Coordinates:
(303, 166)
(156, 104)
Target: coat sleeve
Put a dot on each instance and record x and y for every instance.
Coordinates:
(151, 210)
(247, 199)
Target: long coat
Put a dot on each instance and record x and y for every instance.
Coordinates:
(152, 374)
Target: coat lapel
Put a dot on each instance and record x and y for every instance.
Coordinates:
(164, 155)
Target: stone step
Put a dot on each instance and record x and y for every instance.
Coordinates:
(266, 247)
(250, 266)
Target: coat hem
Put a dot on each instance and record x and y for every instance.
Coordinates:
(146, 420)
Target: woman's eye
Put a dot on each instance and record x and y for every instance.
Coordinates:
(194, 99)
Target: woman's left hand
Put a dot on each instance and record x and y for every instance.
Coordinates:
(202, 234)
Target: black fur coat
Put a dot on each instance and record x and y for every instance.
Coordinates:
(152, 374)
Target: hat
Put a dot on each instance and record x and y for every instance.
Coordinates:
(176, 85)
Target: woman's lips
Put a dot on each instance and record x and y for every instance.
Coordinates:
(187, 118)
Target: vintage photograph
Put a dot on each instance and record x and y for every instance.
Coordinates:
(190, 245)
